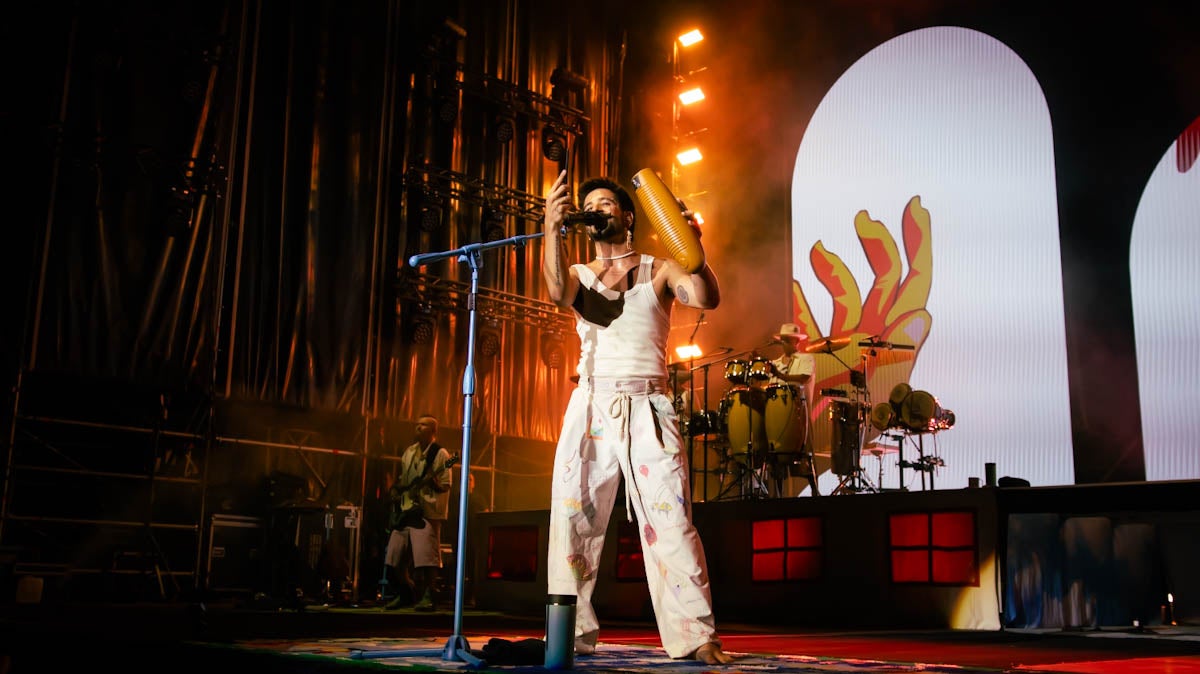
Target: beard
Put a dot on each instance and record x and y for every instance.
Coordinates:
(608, 234)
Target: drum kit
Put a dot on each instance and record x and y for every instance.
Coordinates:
(757, 436)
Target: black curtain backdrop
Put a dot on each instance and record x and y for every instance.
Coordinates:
(230, 190)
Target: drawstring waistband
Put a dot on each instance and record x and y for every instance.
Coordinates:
(619, 408)
(630, 386)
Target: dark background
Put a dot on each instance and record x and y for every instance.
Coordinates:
(1121, 84)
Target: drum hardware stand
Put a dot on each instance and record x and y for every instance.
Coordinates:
(856, 481)
(923, 464)
(755, 480)
(900, 462)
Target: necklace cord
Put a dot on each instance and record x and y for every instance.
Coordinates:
(616, 257)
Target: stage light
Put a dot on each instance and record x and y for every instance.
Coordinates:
(691, 96)
(552, 350)
(421, 325)
(689, 156)
(489, 338)
(691, 37)
(445, 101)
(504, 127)
(430, 210)
(561, 77)
(492, 224)
(554, 143)
(688, 351)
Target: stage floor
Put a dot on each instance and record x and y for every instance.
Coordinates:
(319, 638)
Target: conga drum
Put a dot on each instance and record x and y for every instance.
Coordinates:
(786, 418)
(737, 372)
(742, 411)
(760, 370)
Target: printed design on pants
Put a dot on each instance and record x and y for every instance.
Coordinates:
(573, 506)
(669, 507)
(690, 627)
(649, 535)
(596, 431)
(669, 579)
(579, 568)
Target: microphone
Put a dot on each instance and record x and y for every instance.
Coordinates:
(594, 219)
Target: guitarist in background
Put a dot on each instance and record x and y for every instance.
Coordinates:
(420, 500)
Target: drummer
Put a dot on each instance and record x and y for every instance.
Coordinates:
(795, 366)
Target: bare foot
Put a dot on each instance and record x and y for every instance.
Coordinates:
(711, 654)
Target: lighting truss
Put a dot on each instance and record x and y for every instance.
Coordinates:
(441, 294)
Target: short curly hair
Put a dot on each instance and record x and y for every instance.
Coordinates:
(623, 197)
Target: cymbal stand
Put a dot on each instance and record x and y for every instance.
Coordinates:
(755, 481)
(900, 463)
(703, 472)
(856, 481)
(692, 370)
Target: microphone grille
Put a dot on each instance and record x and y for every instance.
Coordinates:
(673, 229)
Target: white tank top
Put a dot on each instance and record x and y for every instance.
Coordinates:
(623, 335)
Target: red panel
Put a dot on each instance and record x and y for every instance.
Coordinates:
(768, 535)
(767, 566)
(910, 530)
(955, 566)
(513, 553)
(803, 564)
(910, 566)
(954, 529)
(630, 565)
(804, 532)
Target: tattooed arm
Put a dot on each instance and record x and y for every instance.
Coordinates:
(699, 290)
(560, 280)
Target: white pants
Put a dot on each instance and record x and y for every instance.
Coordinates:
(628, 429)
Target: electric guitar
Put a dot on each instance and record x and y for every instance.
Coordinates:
(407, 504)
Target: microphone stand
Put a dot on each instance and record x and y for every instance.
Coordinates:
(692, 368)
(692, 411)
(457, 649)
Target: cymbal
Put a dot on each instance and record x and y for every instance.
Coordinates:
(681, 371)
(827, 345)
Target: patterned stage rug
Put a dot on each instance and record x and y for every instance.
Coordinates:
(424, 654)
